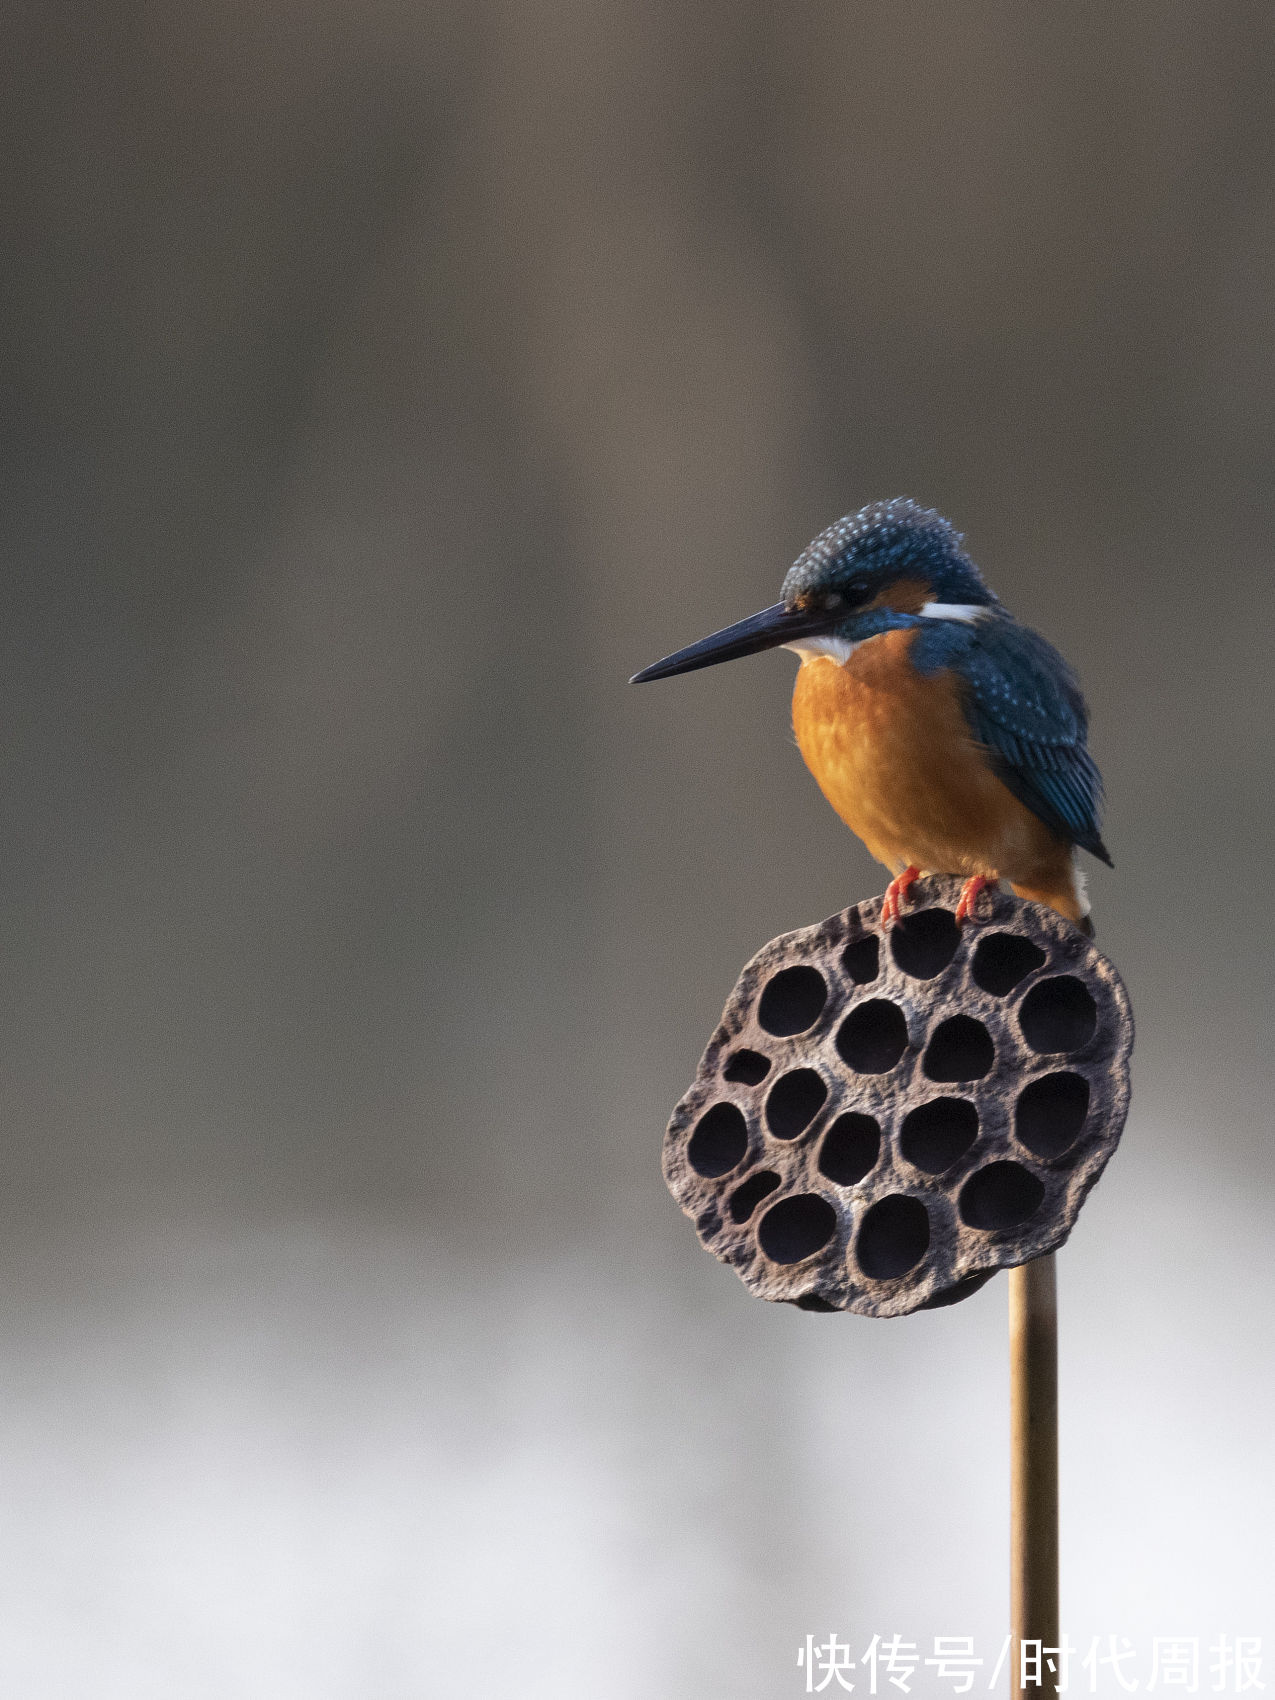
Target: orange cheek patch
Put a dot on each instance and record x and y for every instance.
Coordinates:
(905, 595)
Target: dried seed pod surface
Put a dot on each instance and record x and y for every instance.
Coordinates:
(887, 1116)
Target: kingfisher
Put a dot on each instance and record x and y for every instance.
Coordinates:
(947, 736)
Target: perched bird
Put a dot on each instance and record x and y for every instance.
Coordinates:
(947, 736)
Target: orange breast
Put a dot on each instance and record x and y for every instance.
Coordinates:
(894, 755)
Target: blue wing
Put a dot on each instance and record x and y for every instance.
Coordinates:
(1024, 705)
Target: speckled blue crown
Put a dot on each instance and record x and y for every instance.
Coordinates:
(884, 541)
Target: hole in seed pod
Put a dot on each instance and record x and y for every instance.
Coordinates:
(719, 1141)
(873, 1037)
(1002, 960)
(1051, 1112)
(923, 943)
(850, 1149)
(960, 1049)
(794, 1102)
(748, 1068)
(895, 1236)
(812, 1301)
(796, 1228)
(1000, 1196)
(745, 1199)
(862, 959)
(1058, 1014)
(792, 1001)
(934, 1135)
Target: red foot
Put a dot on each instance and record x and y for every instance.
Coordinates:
(896, 894)
(969, 896)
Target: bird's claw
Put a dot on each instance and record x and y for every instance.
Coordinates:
(969, 896)
(896, 894)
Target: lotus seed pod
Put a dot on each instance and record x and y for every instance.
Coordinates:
(886, 1116)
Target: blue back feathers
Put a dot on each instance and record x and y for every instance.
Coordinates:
(1024, 705)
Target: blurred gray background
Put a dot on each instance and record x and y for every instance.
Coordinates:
(383, 384)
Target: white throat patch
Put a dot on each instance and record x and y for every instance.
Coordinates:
(811, 648)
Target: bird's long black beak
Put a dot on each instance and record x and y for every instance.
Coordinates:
(768, 630)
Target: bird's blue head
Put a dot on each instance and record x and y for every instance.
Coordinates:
(893, 563)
